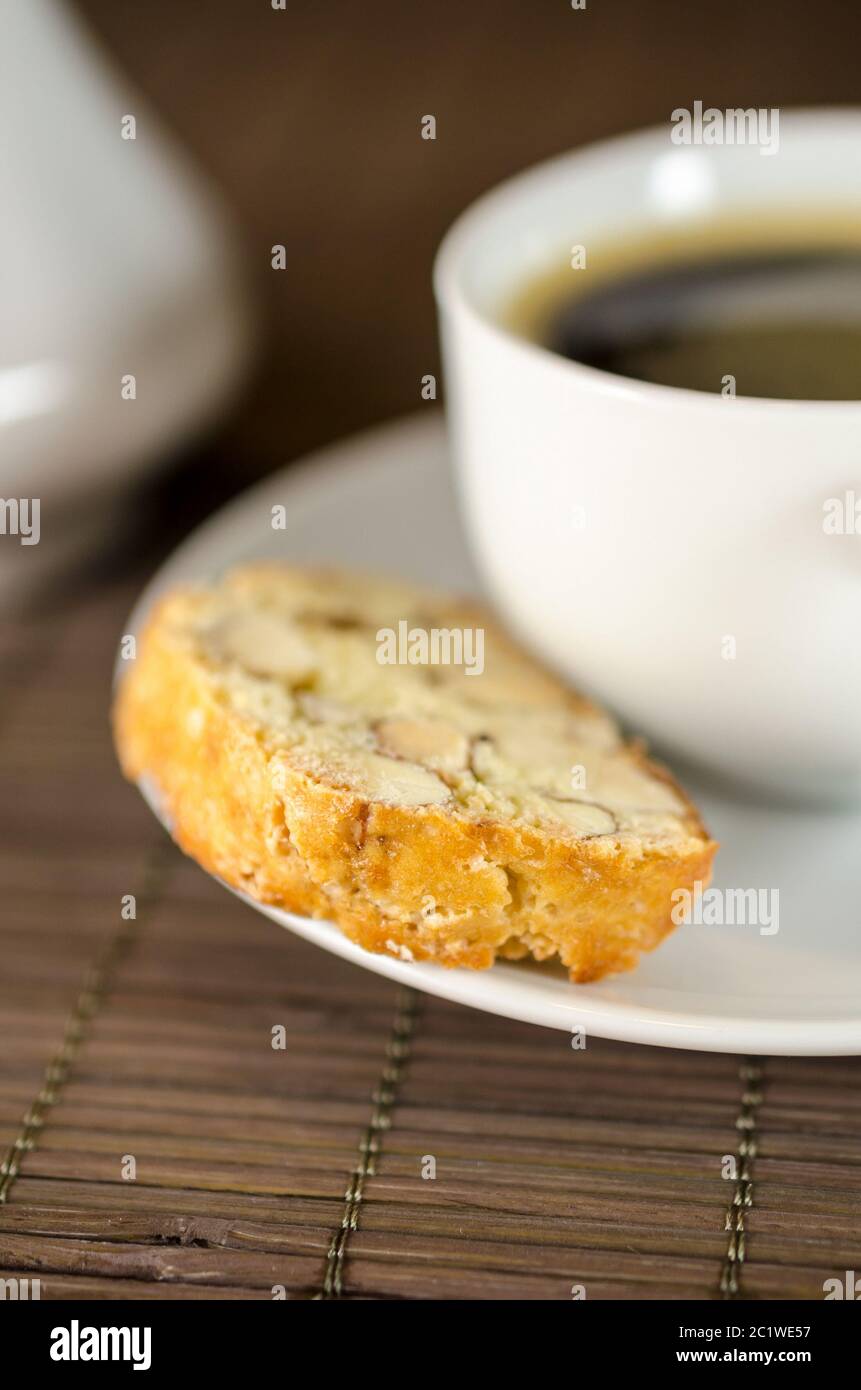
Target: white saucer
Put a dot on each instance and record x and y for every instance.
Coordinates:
(384, 501)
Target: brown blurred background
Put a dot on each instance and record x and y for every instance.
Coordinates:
(308, 121)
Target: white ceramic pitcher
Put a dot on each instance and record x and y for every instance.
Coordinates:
(123, 321)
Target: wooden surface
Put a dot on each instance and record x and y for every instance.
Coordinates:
(151, 1039)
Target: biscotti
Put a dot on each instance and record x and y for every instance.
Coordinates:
(368, 752)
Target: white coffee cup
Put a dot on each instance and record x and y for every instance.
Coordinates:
(669, 550)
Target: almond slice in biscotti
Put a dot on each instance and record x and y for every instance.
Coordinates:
(371, 753)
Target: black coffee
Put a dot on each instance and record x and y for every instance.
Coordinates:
(780, 323)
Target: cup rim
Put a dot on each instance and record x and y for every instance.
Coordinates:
(450, 292)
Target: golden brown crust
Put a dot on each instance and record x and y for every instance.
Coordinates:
(421, 882)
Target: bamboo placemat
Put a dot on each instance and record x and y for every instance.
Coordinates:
(158, 1146)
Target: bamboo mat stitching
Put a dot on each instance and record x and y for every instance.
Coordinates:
(97, 985)
(370, 1145)
(751, 1073)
